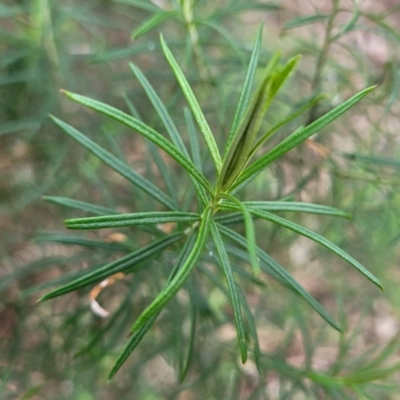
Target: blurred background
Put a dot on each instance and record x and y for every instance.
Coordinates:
(60, 349)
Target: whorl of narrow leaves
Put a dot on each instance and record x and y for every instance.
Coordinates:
(217, 207)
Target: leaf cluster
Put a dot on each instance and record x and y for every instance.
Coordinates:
(218, 205)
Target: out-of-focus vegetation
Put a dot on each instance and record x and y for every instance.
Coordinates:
(60, 349)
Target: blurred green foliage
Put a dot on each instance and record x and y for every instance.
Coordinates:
(61, 349)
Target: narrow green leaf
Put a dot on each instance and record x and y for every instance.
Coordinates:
(286, 120)
(55, 237)
(277, 77)
(118, 53)
(244, 256)
(194, 106)
(370, 374)
(214, 278)
(298, 137)
(247, 6)
(79, 205)
(143, 4)
(165, 295)
(144, 130)
(379, 161)
(154, 151)
(19, 125)
(121, 265)
(380, 20)
(283, 75)
(11, 11)
(272, 84)
(163, 170)
(351, 24)
(133, 342)
(138, 335)
(161, 110)
(316, 238)
(117, 165)
(307, 20)
(170, 126)
(146, 218)
(252, 328)
(194, 143)
(245, 94)
(250, 232)
(27, 270)
(233, 292)
(193, 319)
(245, 132)
(195, 149)
(289, 206)
(230, 39)
(152, 22)
(268, 264)
(243, 184)
(231, 218)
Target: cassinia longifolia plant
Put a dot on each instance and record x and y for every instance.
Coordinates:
(218, 206)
